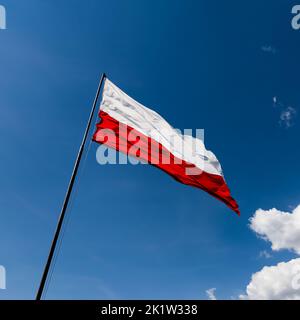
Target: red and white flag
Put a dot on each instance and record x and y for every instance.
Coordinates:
(140, 132)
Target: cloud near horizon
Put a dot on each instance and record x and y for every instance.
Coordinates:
(211, 294)
(282, 281)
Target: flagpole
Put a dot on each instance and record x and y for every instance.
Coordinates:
(68, 194)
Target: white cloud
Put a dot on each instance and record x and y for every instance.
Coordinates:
(277, 103)
(269, 49)
(211, 294)
(287, 113)
(282, 229)
(264, 254)
(287, 116)
(280, 282)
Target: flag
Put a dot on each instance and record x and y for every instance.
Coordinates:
(135, 130)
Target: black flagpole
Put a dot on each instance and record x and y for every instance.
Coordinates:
(68, 195)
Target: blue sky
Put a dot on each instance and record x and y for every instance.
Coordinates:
(132, 231)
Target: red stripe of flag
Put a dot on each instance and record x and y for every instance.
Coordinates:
(133, 143)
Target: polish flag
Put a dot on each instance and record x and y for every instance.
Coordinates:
(139, 132)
